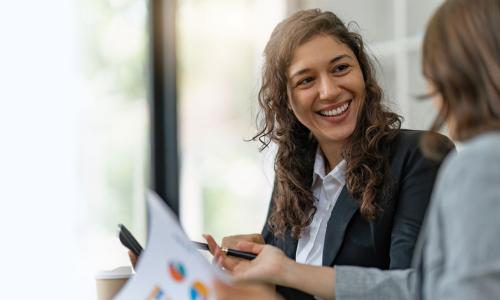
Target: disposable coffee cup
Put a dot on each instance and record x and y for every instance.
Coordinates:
(109, 283)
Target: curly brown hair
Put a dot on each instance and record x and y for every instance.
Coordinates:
(367, 152)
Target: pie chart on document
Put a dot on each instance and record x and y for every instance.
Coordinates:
(199, 291)
(177, 271)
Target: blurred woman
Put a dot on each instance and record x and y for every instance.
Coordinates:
(458, 253)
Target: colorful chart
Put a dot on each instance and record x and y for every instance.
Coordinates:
(177, 271)
(199, 291)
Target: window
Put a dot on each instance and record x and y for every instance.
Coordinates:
(75, 142)
(113, 145)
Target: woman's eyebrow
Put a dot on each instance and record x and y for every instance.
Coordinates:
(332, 61)
(339, 57)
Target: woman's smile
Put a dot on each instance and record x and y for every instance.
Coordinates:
(336, 113)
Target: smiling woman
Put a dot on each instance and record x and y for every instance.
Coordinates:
(322, 68)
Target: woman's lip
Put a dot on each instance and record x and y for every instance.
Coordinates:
(337, 118)
(334, 106)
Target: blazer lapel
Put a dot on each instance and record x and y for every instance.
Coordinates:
(288, 244)
(342, 213)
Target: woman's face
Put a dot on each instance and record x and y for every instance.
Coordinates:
(326, 89)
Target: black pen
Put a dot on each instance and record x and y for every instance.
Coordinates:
(231, 252)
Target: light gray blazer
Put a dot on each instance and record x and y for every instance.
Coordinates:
(457, 255)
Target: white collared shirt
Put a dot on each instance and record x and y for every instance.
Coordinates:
(326, 190)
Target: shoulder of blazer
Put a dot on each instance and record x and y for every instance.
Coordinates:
(406, 147)
(407, 141)
(407, 158)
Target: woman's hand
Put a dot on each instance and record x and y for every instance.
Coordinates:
(244, 292)
(270, 265)
(229, 262)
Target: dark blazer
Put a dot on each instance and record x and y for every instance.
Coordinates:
(388, 241)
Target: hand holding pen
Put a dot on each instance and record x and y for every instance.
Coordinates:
(270, 264)
(227, 255)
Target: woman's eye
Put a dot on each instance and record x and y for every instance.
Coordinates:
(305, 81)
(340, 68)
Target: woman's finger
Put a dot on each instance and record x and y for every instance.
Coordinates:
(217, 253)
(249, 247)
(220, 259)
(212, 245)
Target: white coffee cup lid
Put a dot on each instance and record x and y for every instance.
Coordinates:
(118, 273)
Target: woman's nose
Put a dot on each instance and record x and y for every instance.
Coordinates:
(328, 88)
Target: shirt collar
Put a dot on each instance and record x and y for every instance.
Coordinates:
(338, 173)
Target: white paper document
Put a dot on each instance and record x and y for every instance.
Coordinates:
(170, 267)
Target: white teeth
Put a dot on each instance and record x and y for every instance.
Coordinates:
(335, 111)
